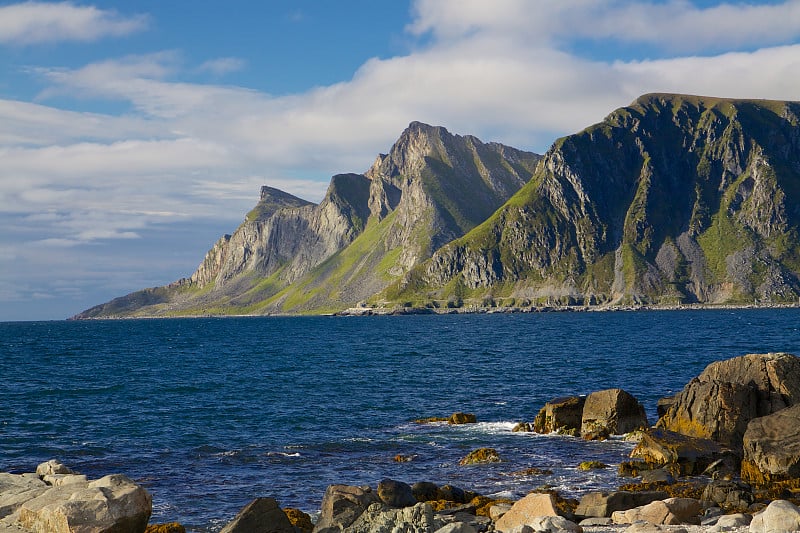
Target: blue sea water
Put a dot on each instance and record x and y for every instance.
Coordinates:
(211, 413)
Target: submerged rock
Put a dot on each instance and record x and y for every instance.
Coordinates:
(480, 456)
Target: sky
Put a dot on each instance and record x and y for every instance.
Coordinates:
(134, 134)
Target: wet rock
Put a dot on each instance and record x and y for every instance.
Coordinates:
(342, 505)
(611, 411)
(778, 517)
(522, 427)
(657, 475)
(480, 456)
(462, 418)
(772, 447)
(604, 504)
(721, 401)
(562, 415)
(396, 493)
(591, 465)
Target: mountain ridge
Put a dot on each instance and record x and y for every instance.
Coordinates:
(673, 199)
(431, 187)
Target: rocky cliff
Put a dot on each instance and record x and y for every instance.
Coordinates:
(673, 199)
(290, 255)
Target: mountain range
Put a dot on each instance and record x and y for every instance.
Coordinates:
(671, 200)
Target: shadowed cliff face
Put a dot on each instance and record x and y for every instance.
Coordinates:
(293, 256)
(673, 199)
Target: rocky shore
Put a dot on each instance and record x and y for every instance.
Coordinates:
(724, 455)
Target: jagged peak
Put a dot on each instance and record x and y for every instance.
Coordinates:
(271, 200)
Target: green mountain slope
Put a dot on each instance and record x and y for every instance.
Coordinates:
(674, 199)
(290, 256)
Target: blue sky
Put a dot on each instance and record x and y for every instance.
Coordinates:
(133, 134)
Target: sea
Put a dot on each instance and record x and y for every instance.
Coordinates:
(210, 413)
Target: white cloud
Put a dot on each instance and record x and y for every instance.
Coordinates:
(222, 65)
(673, 25)
(31, 23)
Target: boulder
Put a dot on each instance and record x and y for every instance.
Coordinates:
(112, 503)
(380, 519)
(462, 418)
(728, 494)
(672, 511)
(425, 491)
(396, 493)
(720, 402)
(692, 454)
(553, 524)
(453, 494)
(262, 515)
(17, 489)
(772, 447)
(562, 415)
(525, 510)
(603, 504)
(778, 517)
(730, 521)
(499, 509)
(342, 505)
(53, 466)
(611, 411)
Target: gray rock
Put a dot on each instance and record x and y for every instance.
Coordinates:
(554, 524)
(18, 489)
(53, 466)
(780, 516)
(595, 522)
(457, 527)
(396, 493)
(342, 505)
(262, 515)
(772, 447)
(603, 504)
(112, 503)
(381, 519)
(729, 521)
(613, 411)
